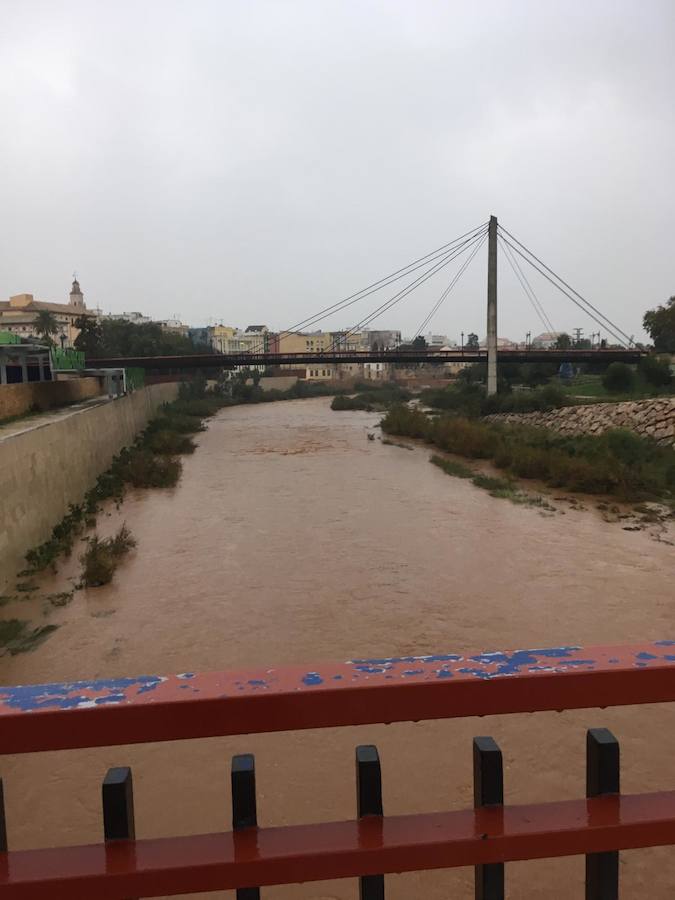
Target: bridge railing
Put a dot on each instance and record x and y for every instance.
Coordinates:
(246, 858)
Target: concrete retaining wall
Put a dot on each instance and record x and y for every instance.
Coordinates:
(16, 399)
(649, 418)
(45, 467)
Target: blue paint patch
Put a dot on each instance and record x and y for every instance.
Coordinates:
(312, 678)
(69, 695)
(371, 670)
(669, 657)
(613, 660)
(257, 682)
(444, 673)
(186, 675)
(641, 665)
(409, 672)
(337, 677)
(184, 687)
(664, 643)
(644, 655)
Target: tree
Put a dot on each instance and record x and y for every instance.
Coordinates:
(472, 342)
(419, 343)
(563, 341)
(619, 378)
(90, 338)
(655, 371)
(660, 324)
(45, 326)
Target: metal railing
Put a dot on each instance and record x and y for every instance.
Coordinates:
(161, 708)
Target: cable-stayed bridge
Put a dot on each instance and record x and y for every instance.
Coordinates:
(463, 249)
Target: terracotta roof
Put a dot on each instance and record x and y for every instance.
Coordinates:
(37, 305)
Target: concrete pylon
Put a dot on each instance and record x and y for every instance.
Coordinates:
(492, 308)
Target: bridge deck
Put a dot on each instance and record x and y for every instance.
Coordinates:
(235, 360)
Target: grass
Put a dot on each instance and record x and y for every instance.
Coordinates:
(452, 467)
(618, 462)
(102, 557)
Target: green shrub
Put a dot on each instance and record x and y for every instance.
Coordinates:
(170, 442)
(342, 402)
(142, 468)
(619, 378)
(102, 556)
(172, 421)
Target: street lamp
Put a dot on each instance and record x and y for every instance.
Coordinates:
(462, 342)
(62, 338)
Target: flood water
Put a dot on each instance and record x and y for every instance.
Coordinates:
(292, 538)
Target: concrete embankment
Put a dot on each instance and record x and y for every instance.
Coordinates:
(649, 418)
(48, 464)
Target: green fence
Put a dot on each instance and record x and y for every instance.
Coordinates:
(135, 379)
(67, 358)
(7, 337)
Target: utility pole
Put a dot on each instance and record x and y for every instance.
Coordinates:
(577, 335)
(492, 308)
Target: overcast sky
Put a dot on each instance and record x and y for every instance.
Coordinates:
(250, 162)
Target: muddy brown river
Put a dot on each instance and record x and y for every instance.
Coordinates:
(292, 538)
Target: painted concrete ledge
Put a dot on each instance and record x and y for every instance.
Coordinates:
(149, 708)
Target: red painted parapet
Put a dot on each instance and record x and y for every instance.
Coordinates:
(156, 708)
(265, 856)
(363, 691)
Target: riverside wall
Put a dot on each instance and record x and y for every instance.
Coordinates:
(17, 399)
(47, 465)
(649, 418)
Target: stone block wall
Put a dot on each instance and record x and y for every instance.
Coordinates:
(649, 418)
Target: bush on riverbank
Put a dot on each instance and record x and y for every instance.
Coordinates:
(168, 441)
(617, 462)
(470, 401)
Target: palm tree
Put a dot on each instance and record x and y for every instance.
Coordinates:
(45, 325)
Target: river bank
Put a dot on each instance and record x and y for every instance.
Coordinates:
(290, 538)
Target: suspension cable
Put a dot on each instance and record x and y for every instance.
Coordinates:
(567, 294)
(576, 293)
(339, 305)
(525, 284)
(392, 301)
(457, 276)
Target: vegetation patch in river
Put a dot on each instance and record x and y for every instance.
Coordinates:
(17, 635)
(102, 556)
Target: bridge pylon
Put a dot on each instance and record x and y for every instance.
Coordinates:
(492, 308)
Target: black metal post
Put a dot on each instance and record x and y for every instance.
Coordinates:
(369, 803)
(602, 777)
(488, 790)
(118, 805)
(244, 809)
(3, 820)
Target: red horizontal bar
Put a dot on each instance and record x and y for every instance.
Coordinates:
(167, 866)
(398, 689)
